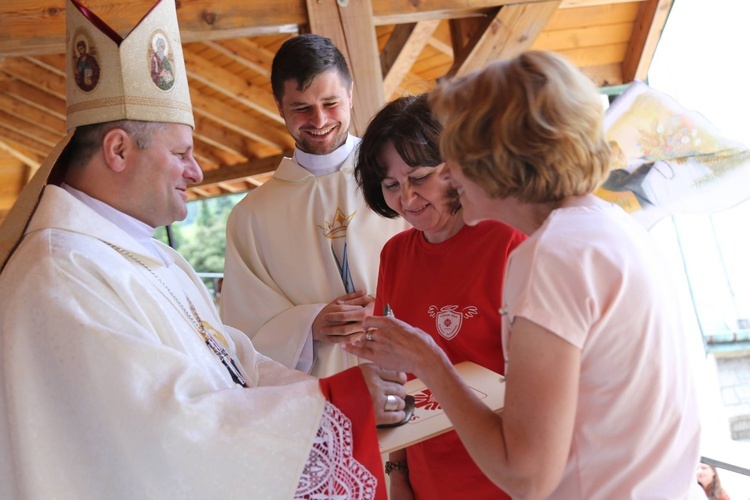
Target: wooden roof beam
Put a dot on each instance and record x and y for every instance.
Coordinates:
(30, 130)
(246, 53)
(238, 121)
(231, 85)
(441, 46)
(221, 138)
(230, 188)
(38, 26)
(252, 180)
(605, 75)
(31, 115)
(11, 136)
(350, 25)
(28, 159)
(402, 50)
(213, 158)
(31, 74)
(54, 63)
(513, 30)
(31, 96)
(572, 4)
(652, 16)
(399, 12)
(202, 193)
(242, 170)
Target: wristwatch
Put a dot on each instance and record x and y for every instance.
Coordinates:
(391, 466)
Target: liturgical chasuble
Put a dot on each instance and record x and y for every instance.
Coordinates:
(109, 392)
(280, 268)
(109, 389)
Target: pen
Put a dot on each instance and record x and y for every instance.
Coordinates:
(387, 311)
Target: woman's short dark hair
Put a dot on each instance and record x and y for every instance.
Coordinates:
(407, 124)
(304, 57)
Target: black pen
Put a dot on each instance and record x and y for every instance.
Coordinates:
(387, 311)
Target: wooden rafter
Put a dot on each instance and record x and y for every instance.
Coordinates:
(652, 15)
(27, 159)
(242, 170)
(393, 47)
(31, 114)
(402, 50)
(513, 30)
(30, 130)
(246, 53)
(222, 138)
(351, 28)
(242, 123)
(38, 26)
(11, 136)
(31, 74)
(230, 85)
(32, 96)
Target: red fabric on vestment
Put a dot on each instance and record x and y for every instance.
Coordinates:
(348, 391)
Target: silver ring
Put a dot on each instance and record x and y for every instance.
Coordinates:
(391, 403)
(368, 336)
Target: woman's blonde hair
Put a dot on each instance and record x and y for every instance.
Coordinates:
(529, 128)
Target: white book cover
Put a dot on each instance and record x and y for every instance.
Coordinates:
(429, 420)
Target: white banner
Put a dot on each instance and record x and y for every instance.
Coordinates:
(667, 159)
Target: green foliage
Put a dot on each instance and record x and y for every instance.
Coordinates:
(177, 236)
(206, 217)
(201, 237)
(161, 235)
(205, 251)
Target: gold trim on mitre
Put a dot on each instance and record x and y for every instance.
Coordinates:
(139, 77)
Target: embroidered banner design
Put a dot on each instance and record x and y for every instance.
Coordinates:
(667, 159)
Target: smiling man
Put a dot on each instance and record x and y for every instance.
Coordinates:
(303, 249)
(118, 379)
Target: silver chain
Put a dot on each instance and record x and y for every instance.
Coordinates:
(210, 341)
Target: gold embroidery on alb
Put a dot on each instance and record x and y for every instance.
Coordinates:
(337, 227)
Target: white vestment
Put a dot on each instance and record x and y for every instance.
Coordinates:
(280, 269)
(107, 389)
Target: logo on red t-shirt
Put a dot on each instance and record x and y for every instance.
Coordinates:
(448, 321)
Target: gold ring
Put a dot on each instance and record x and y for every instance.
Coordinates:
(368, 336)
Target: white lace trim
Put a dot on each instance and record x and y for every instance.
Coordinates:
(331, 471)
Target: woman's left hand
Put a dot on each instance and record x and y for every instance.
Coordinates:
(395, 345)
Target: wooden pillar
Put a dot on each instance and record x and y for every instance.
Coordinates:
(349, 23)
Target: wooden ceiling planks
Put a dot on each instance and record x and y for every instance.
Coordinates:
(394, 47)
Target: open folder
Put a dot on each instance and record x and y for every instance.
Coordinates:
(429, 420)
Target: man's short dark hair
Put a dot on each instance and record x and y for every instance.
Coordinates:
(87, 139)
(304, 57)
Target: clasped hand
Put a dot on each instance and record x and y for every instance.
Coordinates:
(341, 320)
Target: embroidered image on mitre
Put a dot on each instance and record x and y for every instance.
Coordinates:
(139, 77)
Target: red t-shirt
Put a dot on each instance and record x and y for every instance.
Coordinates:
(451, 290)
